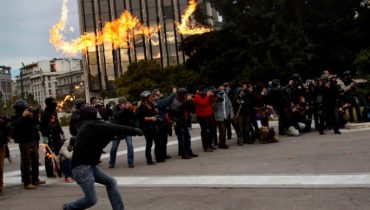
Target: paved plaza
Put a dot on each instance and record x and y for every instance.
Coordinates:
(308, 172)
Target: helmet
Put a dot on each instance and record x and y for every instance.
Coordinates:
(20, 105)
(145, 94)
(79, 102)
(275, 83)
(182, 91)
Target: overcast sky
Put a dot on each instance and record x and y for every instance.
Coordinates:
(24, 30)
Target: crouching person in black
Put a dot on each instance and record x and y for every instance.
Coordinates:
(92, 137)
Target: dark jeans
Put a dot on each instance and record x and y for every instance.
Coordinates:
(150, 137)
(163, 135)
(29, 163)
(66, 167)
(228, 128)
(205, 131)
(245, 129)
(221, 133)
(183, 137)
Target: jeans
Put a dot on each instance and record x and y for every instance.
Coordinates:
(66, 168)
(184, 139)
(114, 148)
(205, 131)
(221, 133)
(86, 176)
(150, 137)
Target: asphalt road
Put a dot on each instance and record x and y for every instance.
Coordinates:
(308, 172)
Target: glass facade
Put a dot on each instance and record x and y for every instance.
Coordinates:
(104, 64)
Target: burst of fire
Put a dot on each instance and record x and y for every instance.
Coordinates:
(187, 27)
(61, 104)
(119, 32)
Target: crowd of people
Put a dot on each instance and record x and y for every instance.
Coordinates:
(246, 108)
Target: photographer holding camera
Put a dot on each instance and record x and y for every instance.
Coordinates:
(123, 114)
(24, 131)
(203, 101)
(350, 91)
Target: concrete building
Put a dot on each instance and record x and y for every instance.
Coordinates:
(53, 78)
(6, 83)
(104, 64)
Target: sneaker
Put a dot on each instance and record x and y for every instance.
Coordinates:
(168, 157)
(337, 132)
(111, 166)
(161, 161)
(68, 180)
(30, 187)
(151, 163)
(131, 166)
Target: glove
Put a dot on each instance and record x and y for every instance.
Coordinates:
(139, 132)
(45, 140)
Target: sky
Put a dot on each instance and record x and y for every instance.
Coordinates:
(24, 33)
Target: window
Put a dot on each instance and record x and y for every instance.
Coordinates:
(168, 12)
(88, 7)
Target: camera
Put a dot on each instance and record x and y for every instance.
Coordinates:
(159, 118)
(219, 94)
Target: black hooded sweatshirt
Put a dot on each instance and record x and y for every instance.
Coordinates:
(92, 137)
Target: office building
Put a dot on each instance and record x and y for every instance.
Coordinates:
(55, 78)
(104, 64)
(5, 84)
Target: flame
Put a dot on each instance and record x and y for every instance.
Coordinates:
(119, 32)
(62, 103)
(186, 27)
(47, 154)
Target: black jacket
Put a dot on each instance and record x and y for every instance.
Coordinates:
(92, 137)
(49, 125)
(24, 129)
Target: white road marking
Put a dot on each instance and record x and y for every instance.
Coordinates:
(358, 180)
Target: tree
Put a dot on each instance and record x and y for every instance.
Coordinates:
(256, 42)
(266, 39)
(147, 75)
